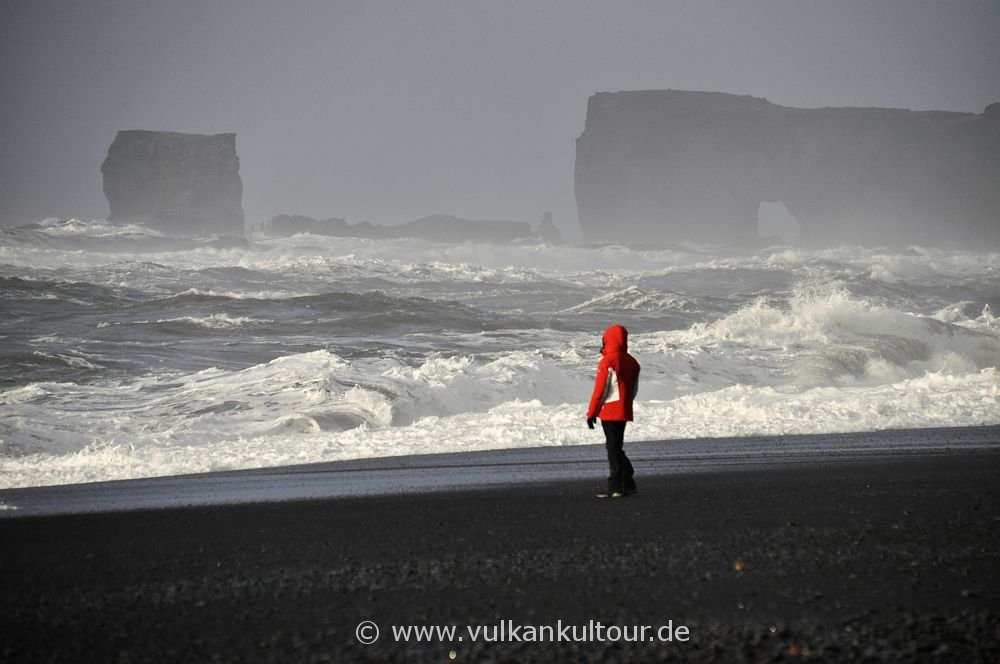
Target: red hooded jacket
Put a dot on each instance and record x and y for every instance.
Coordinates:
(617, 378)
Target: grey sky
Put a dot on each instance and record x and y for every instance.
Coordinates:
(388, 111)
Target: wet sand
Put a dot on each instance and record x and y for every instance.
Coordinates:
(886, 559)
(422, 473)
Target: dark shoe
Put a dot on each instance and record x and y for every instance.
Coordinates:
(631, 491)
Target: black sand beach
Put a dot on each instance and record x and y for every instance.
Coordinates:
(849, 561)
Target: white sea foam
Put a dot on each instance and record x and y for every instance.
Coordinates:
(214, 321)
(711, 380)
(93, 228)
(932, 400)
(789, 340)
(75, 361)
(634, 299)
(828, 336)
(314, 260)
(244, 295)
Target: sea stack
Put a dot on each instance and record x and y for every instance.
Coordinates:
(180, 184)
(670, 165)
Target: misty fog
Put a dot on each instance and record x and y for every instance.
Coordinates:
(391, 111)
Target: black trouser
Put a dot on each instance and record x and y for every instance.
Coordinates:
(620, 479)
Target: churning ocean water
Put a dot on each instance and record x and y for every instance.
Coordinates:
(129, 354)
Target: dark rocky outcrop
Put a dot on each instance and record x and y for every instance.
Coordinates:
(434, 228)
(666, 166)
(286, 225)
(181, 184)
(446, 228)
(547, 231)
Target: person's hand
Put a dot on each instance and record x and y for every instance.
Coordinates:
(591, 421)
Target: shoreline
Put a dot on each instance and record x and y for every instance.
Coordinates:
(868, 559)
(491, 468)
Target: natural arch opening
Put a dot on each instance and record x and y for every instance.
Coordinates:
(774, 221)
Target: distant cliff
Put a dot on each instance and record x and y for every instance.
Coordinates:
(666, 166)
(181, 184)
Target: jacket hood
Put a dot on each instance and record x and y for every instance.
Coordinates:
(615, 340)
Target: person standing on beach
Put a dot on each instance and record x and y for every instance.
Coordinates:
(614, 390)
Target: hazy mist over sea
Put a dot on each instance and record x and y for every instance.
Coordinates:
(145, 360)
(128, 352)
